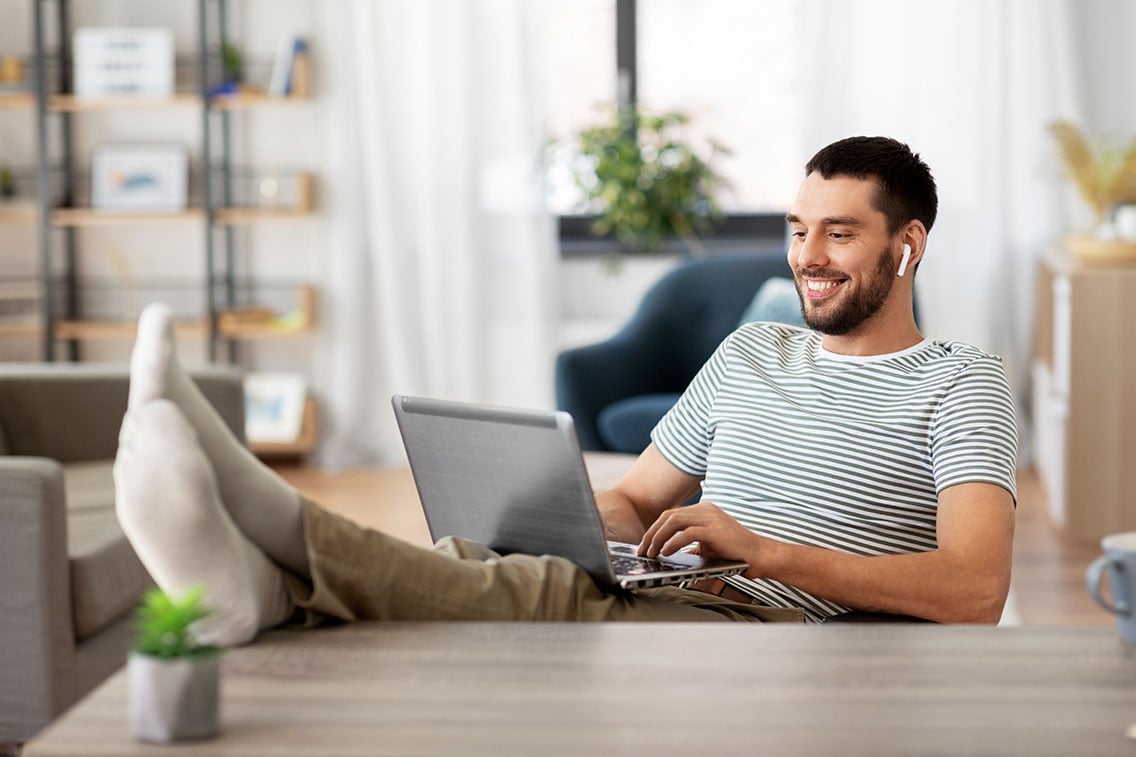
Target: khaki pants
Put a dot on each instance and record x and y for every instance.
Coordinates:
(360, 574)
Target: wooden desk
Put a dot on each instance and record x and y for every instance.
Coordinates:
(672, 689)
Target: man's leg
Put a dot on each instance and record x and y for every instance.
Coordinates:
(168, 505)
(170, 509)
(265, 508)
(361, 574)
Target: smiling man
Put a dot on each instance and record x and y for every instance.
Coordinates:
(857, 467)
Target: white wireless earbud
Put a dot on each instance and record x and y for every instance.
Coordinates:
(903, 262)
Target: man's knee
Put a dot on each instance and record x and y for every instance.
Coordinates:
(463, 549)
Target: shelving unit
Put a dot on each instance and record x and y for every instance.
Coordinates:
(85, 271)
(62, 213)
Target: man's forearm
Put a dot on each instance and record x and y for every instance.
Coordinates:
(622, 521)
(932, 585)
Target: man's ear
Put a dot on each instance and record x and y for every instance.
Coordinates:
(915, 236)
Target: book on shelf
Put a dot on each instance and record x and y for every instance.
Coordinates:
(289, 71)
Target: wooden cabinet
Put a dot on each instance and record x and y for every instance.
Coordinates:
(1084, 393)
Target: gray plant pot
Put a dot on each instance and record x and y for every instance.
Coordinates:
(173, 700)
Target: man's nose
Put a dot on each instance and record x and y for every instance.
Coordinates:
(811, 252)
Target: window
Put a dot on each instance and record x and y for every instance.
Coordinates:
(732, 65)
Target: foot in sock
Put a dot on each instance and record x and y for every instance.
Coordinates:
(263, 505)
(168, 505)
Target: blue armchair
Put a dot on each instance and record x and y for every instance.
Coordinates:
(618, 390)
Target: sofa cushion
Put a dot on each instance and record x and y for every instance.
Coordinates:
(776, 300)
(107, 579)
(625, 425)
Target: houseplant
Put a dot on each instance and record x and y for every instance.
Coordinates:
(643, 177)
(173, 681)
(7, 181)
(1105, 179)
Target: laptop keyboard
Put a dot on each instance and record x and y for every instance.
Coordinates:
(636, 566)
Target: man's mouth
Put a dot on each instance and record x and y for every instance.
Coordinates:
(818, 289)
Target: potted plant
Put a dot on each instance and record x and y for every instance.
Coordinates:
(1106, 180)
(645, 180)
(232, 64)
(173, 681)
(7, 182)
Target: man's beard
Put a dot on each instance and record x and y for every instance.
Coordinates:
(844, 318)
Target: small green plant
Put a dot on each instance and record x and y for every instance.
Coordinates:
(232, 63)
(645, 180)
(7, 181)
(163, 624)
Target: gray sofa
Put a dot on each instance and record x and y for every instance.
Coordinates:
(69, 580)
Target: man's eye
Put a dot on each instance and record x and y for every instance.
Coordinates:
(797, 234)
(837, 235)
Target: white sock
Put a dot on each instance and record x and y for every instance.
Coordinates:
(262, 504)
(168, 506)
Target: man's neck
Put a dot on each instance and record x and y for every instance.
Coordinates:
(875, 337)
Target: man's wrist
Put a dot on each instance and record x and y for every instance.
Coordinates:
(769, 556)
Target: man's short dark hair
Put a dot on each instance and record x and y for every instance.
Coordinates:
(906, 189)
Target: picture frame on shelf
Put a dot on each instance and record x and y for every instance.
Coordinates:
(123, 62)
(274, 407)
(140, 177)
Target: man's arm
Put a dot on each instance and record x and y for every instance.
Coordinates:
(650, 487)
(965, 580)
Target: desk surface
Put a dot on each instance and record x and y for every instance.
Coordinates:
(521, 689)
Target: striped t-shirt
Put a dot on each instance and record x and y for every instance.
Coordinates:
(846, 453)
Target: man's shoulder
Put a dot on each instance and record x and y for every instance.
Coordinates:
(962, 364)
(960, 354)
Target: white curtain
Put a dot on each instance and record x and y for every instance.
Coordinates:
(439, 264)
(971, 85)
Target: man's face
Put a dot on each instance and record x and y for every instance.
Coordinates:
(842, 255)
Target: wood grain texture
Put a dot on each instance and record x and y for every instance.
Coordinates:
(1100, 433)
(667, 689)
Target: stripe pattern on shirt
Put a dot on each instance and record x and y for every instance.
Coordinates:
(805, 447)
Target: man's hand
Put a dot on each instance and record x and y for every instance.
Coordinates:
(717, 534)
(651, 486)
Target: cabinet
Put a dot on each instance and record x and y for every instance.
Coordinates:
(1084, 393)
(84, 288)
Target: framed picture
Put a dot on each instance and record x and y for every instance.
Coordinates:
(140, 177)
(274, 406)
(124, 62)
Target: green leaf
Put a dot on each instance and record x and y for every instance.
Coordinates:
(163, 624)
(646, 181)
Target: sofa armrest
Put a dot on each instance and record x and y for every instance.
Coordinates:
(72, 413)
(36, 640)
(590, 378)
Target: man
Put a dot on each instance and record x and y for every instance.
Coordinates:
(855, 466)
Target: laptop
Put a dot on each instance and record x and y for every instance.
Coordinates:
(514, 480)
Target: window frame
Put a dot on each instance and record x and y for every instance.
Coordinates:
(760, 230)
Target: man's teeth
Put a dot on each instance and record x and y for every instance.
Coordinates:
(821, 286)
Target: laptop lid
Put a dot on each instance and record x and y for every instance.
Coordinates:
(510, 479)
(515, 481)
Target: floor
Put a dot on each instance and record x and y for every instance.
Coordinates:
(1048, 583)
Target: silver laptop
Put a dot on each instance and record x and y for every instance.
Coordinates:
(514, 480)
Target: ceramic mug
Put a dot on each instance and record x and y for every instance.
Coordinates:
(1119, 561)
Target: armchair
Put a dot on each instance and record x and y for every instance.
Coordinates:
(617, 390)
(70, 579)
